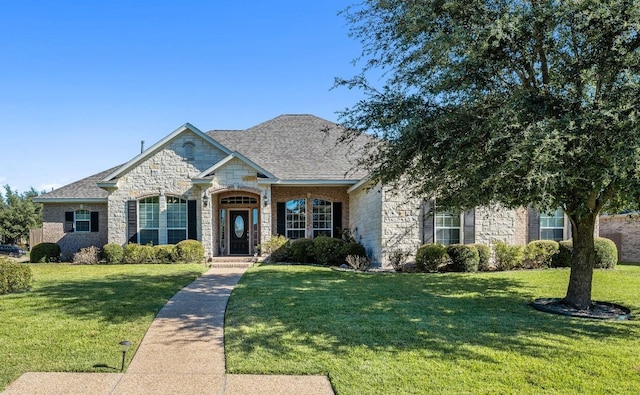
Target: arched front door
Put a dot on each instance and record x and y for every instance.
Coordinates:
(239, 237)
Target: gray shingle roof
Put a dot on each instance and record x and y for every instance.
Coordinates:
(87, 188)
(291, 147)
(295, 147)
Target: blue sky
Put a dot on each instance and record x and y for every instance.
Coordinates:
(83, 82)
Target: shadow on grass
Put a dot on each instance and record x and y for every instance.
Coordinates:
(113, 298)
(444, 314)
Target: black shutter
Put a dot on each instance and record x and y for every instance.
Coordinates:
(470, 226)
(534, 225)
(192, 220)
(132, 220)
(337, 220)
(95, 216)
(68, 221)
(428, 226)
(281, 219)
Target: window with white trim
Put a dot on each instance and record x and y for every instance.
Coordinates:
(322, 211)
(82, 221)
(149, 220)
(552, 225)
(448, 227)
(176, 220)
(296, 219)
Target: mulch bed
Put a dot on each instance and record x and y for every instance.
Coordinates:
(598, 310)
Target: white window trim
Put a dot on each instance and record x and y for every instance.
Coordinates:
(76, 220)
(140, 211)
(303, 217)
(186, 217)
(436, 227)
(313, 207)
(563, 227)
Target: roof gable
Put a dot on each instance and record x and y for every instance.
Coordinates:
(234, 155)
(187, 127)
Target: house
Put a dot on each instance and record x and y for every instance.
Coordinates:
(234, 189)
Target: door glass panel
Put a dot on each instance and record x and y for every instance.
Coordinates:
(238, 225)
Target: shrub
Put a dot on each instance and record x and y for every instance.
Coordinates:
(484, 256)
(539, 254)
(165, 253)
(464, 258)
(352, 248)
(301, 251)
(507, 256)
(14, 277)
(132, 253)
(112, 253)
(327, 250)
(276, 249)
(563, 257)
(357, 262)
(45, 252)
(431, 256)
(190, 251)
(87, 256)
(606, 253)
(398, 260)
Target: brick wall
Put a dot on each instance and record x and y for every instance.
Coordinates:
(625, 230)
(53, 231)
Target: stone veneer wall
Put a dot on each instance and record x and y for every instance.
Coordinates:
(401, 223)
(285, 193)
(625, 231)
(71, 242)
(496, 223)
(365, 220)
(165, 173)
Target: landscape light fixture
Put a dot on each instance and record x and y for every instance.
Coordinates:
(124, 347)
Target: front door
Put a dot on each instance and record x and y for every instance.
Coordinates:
(239, 232)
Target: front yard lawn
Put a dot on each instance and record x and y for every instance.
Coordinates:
(432, 333)
(75, 316)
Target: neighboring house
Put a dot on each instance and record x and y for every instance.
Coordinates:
(233, 190)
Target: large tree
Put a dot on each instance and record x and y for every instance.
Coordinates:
(18, 214)
(513, 102)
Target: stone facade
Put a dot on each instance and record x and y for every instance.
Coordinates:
(496, 223)
(365, 220)
(167, 172)
(53, 230)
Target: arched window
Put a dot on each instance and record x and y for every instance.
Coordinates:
(149, 220)
(322, 218)
(188, 150)
(82, 221)
(176, 220)
(296, 219)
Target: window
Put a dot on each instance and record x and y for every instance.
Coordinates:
(82, 221)
(296, 219)
(552, 225)
(223, 223)
(255, 226)
(322, 218)
(176, 220)
(239, 200)
(188, 150)
(149, 220)
(448, 227)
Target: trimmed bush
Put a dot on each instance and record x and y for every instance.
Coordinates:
(112, 253)
(87, 256)
(302, 251)
(464, 258)
(563, 257)
(14, 277)
(276, 249)
(353, 248)
(190, 251)
(508, 257)
(131, 253)
(606, 253)
(484, 256)
(165, 253)
(539, 254)
(431, 256)
(327, 250)
(45, 252)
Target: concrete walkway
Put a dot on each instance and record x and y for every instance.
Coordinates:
(181, 353)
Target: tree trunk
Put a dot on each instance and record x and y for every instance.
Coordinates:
(582, 261)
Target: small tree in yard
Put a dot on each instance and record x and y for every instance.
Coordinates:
(523, 103)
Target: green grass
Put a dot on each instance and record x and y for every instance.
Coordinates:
(75, 316)
(432, 333)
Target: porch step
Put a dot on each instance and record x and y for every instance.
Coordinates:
(232, 261)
